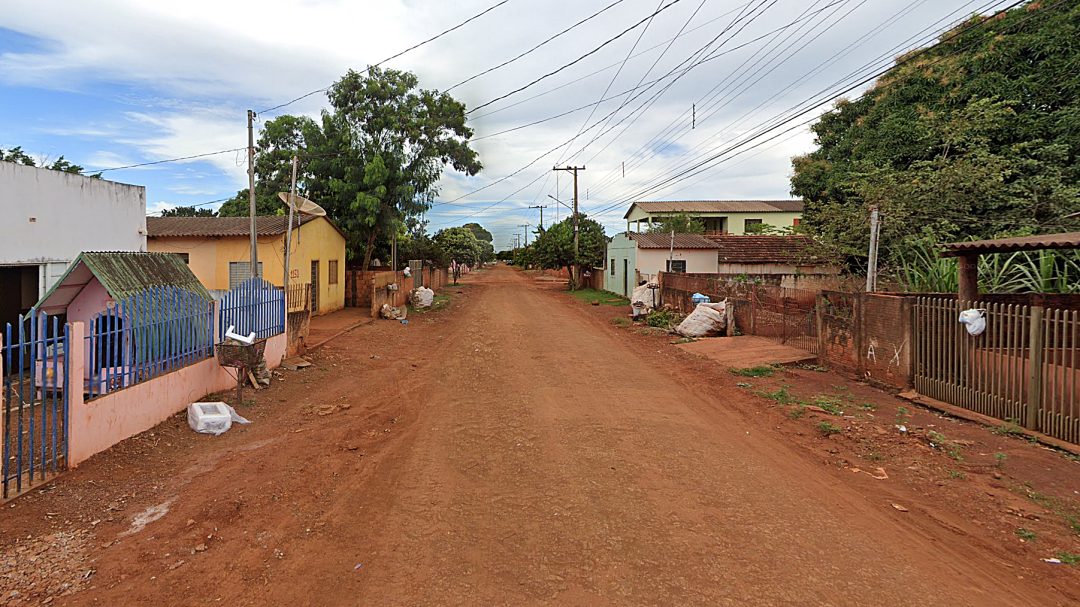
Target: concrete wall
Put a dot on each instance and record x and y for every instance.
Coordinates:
(96, 425)
(51, 216)
(209, 258)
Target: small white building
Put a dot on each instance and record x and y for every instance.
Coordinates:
(633, 258)
(49, 218)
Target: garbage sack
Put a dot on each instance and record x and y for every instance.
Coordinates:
(421, 297)
(391, 313)
(974, 321)
(648, 297)
(213, 418)
(707, 320)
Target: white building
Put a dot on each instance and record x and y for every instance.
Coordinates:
(48, 218)
(634, 257)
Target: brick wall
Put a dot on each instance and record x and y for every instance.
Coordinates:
(885, 325)
(367, 289)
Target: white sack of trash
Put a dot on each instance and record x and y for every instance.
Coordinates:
(644, 297)
(213, 418)
(422, 297)
(707, 320)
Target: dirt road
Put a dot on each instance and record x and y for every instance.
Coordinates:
(511, 451)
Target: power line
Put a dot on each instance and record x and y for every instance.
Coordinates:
(144, 164)
(579, 59)
(391, 58)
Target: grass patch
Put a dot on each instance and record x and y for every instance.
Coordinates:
(1009, 428)
(1026, 534)
(661, 319)
(797, 412)
(781, 396)
(957, 474)
(760, 371)
(942, 442)
(831, 404)
(1068, 558)
(828, 428)
(620, 322)
(606, 298)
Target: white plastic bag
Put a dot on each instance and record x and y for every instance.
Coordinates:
(422, 297)
(213, 418)
(707, 320)
(974, 321)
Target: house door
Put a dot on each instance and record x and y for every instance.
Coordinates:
(314, 287)
(625, 275)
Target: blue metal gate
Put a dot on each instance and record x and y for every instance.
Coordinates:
(36, 384)
(254, 306)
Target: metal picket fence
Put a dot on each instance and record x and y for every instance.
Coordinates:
(146, 335)
(35, 396)
(254, 306)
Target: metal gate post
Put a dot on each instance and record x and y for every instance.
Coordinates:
(1035, 369)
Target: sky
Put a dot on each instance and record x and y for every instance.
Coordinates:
(658, 100)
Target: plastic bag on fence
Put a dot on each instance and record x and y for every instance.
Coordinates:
(707, 320)
(213, 418)
(974, 321)
(421, 298)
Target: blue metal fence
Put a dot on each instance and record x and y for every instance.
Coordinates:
(146, 335)
(35, 411)
(254, 306)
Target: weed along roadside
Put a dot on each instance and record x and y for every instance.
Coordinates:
(992, 482)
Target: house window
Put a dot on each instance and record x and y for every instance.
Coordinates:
(676, 265)
(613, 266)
(331, 272)
(183, 256)
(239, 271)
(751, 226)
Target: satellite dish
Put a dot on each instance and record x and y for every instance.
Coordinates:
(302, 205)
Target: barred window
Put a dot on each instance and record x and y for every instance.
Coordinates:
(332, 277)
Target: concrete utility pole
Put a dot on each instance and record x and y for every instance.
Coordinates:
(526, 226)
(254, 268)
(541, 207)
(871, 270)
(577, 268)
(288, 235)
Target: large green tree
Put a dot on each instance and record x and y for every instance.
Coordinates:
(457, 247)
(18, 156)
(554, 246)
(976, 137)
(189, 212)
(487, 249)
(680, 223)
(373, 161)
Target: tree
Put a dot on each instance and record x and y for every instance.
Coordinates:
(975, 138)
(18, 156)
(189, 212)
(487, 249)
(680, 223)
(457, 247)
(554, 246)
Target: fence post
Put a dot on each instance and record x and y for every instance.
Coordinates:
(1035, 370)
(820, 322)
(753, 308)
(78, 432)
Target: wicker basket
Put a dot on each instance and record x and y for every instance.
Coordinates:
(240, 355)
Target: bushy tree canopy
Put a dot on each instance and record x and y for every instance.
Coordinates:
(554, 246)
(680, 223)
(189, 212)
(18, 156)
(457, 246)
(976, 137)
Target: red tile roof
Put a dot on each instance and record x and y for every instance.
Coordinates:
(792, 250)
(220, 226)
(664, 241)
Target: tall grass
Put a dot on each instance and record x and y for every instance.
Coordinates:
(922, 270)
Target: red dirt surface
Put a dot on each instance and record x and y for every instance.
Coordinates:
(518, 448)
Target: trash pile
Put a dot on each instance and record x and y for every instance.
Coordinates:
(389, 312)
(707, 320)
(213, 418)
(421, 298)
(645, 298)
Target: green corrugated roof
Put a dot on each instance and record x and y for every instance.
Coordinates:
(124, 274)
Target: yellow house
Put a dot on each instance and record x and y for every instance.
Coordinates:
(719, 216)
(218, 251)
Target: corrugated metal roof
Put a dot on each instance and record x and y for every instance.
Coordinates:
(122, 274)
(796, 250)
(1068, 240)
(719, 206)
(270, 225)
(663, 241)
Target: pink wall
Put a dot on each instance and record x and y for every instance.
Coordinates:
(92, 299)
(101, 423)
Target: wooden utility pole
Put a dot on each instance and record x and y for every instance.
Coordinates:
(254, 268)
(541, 207)
(871, 270)
(576, 275)
(526, 226)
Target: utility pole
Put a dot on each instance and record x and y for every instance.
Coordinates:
(871, 270)
(254, 268)
(526, 226)
(577, 269)
(541, 207)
